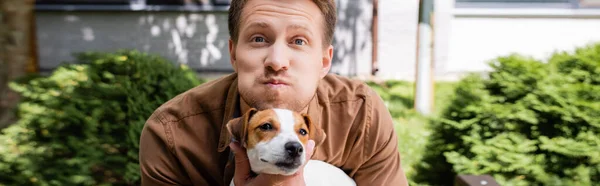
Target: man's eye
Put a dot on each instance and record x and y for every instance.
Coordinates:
(259, 39)
(299, 42)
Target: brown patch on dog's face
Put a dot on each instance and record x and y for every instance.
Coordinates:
(263, 127)
(302, 125)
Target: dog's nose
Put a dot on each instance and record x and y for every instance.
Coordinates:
(293, 149)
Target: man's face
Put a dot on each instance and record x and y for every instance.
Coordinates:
(279, 55)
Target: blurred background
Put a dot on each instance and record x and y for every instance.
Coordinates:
(505, 91)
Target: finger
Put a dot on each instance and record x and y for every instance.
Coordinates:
(310, 149)
(242, 164)
(309, 152)
(269, 179)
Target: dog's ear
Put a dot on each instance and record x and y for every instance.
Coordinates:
(314, 132)
(238, 127)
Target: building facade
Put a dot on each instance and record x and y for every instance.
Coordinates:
(467, 33)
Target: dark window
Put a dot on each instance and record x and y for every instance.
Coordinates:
(125, 2)
(187, 2)
(83, 2)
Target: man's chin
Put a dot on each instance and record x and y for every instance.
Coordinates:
(268, 99)
(278, 93)
(277, 103)
(271, 104)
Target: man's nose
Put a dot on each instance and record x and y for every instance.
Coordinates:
(277, 59)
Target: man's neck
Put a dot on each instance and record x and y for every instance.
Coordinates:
(244, 107)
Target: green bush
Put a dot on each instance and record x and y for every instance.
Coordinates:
(81, 124)
(397, 96)
(526, 123)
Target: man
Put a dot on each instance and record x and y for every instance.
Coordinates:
(281, 52)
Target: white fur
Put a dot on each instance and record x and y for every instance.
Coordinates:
(319, 173)
(315, 172)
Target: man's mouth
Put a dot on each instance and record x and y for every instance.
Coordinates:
(276, 83)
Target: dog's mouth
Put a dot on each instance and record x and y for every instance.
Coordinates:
(288, 164)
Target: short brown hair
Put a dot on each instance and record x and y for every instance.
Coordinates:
(327, 7)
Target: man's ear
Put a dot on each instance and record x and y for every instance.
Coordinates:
(238, 127)
(326, 61)
(232, 58)
(314, 133)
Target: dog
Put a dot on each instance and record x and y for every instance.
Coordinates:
(275, 140)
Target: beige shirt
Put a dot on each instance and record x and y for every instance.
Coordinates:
(185, 141)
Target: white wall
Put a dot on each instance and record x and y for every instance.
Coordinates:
(476, 36)
(466, 39)
(352, 38)
(473, 41)
(397, 29)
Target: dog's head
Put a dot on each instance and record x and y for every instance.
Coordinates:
(275, 139)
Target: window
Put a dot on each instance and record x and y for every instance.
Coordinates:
(528, 4)
(187, 2)
(131, 5)
(126, 2)
(82, 2)
(589, 3)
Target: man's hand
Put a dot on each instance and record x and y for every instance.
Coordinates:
(243, 177)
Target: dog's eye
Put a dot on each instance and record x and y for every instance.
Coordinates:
(266, 126)
(303, 132)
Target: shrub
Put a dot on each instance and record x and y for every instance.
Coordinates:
(397, 96)
(526, 123)
(81, 124)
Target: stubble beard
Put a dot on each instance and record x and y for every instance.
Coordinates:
(270, 99)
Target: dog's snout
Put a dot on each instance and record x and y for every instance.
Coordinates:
(294, 149)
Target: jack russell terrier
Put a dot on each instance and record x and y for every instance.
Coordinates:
(275, 140)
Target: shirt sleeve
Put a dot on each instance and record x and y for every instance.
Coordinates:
(158, 164)
(382, 165)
